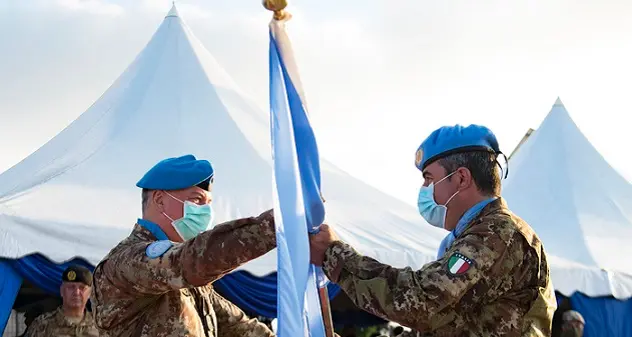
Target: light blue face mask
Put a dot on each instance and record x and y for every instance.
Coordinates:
(432, 212)
(195, 220)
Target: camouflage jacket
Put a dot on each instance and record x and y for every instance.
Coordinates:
(56, 324)
(493, 281)
(171, 295)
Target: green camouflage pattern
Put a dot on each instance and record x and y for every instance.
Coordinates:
(505, 292)
(55, 323)
(172, 295)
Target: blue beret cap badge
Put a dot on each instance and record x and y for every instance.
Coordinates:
(419, 156)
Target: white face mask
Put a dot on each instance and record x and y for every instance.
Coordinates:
(432, 212)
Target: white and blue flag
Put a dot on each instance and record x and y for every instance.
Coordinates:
(298, 207)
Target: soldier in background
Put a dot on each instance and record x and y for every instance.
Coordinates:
(157, 281)
(572, 324)
(71, 318)
(491, 277)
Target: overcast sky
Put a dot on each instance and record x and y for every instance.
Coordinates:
(378, 77)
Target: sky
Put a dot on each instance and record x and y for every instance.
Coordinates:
(379, 77)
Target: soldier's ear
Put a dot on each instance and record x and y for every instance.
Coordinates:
(157, 198)
(465, 178)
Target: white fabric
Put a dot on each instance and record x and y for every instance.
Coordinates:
(580, 207)
(76, 196)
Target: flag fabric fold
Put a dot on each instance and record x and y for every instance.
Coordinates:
(298, 206)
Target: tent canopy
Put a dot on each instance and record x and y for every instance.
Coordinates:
(580, 207)
(76, 195)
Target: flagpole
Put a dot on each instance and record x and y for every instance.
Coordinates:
(278, 8)
(326, 311)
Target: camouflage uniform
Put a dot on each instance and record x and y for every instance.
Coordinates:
(172, 295)
(56, 324)
(493, 281)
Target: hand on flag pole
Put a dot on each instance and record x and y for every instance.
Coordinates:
(302, 298)
(320, 242)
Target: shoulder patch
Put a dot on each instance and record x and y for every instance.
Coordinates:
(158, 248)
(458, 264)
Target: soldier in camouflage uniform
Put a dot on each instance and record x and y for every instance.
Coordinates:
(491, 277)
(71, 319)
(157, 282)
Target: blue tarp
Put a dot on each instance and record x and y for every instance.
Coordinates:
(10, 283)
(604, 316)
(257, 295)
(43, 273)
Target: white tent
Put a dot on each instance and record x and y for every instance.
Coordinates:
(580, 207)
(76, 195)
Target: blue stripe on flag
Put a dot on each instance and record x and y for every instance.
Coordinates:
(307, 150)
(298, 205)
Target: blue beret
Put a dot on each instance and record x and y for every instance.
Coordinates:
(178, 173)
(448, 140)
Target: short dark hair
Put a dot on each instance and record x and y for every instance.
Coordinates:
(145, 198)
(482, 165)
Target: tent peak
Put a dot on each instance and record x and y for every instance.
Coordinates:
(173, 12)
(558, 103)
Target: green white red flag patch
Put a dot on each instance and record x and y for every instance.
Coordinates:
(458, 264)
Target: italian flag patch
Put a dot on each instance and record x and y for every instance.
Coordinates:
(458, 264)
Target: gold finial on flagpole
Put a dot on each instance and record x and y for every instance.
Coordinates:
(276, 6)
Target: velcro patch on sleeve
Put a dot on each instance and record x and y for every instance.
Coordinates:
(158, 248)
(458, 264)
